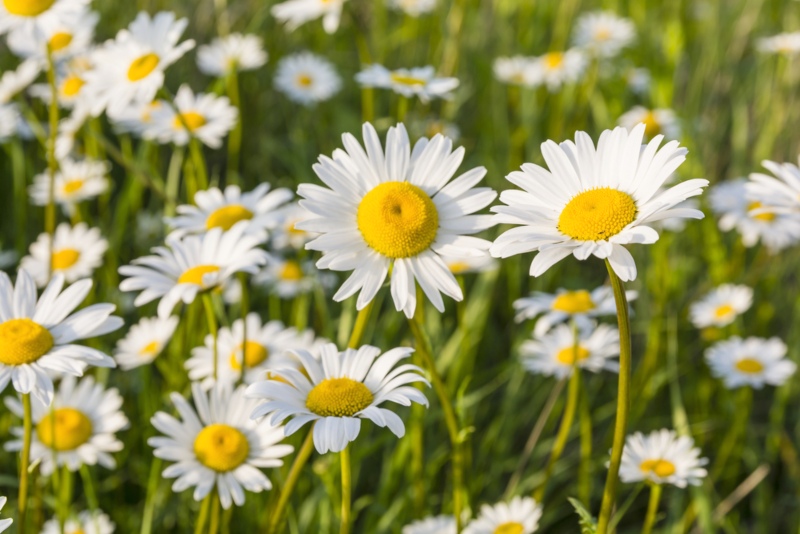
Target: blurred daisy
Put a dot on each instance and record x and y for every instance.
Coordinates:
(417, 81)
(217, 445)
(413, 8)
(395, 209)
(232, 53)
(442, 524)
(144, 342)
(662, 457)
(638, 80)
(555, 353)
(13, 82)
(69, 86)
(4, 523)
(750, 362)
(722, 306)
(656, 122)
(781, 191)
(79, 428)
(287, 277)
(75, 181)
(555, 69)
(77, 251)
(10, 121)
(338, 391)
(189, 266)
(520, 516)
(137, 119)
(64, 36)
(783, 43)
(593, 201)
(307, 78)
(86, 522)
(286, 234)
(223, 209)
(472, 264)
(29, 15)
(603, 33)
(295, 13)
(678, 225)
(517, 70)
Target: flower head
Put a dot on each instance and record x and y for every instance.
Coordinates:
(4, 523)
(442, 524)
(787, 44)
(232, 53)
(750, 362)
(75, 182)
(205, 117)
(721, 306)
(662, 457)
(780, 192)
(656, 122)
(603, 33)
(65, 36)
(30, 16)
(86, 522)
(419, 81)
(517, 70)
(414, 8)
(307, 78)
(295, 13)
(557, 353)
(520, 516)
(144, 342)
(555, 69)
(288, 277)
(77, 251)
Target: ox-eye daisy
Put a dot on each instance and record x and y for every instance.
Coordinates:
(722, 306)
(217, 444)
(750, 362)
(781, 191)
(286, 234)
(603, 33)
(295, 13)
(784, 43)
(189, 266)
(338, 391)
(399, 209)
(29, 15)
(556, 353)
(555, 69)
(656, 121)
(232, 53)
(75, 182)
(517, 70)
(77, 251)
(442, 524)
(144, 342)
(12, 82)
(70, 86)
(472, 264)
(662, 457)
(307, 78)
(77, 429)
(593, 201)
(520, 516)
(414, 8)
(37, 336)
(64, 36)
(288, 277)
(417, 81)
(4, 523)
(87, 522)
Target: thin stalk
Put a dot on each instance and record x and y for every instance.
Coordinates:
(245, 305)
(235, 137)
(213, 527)
(52, 164)
(91, 495)
(174, 180)
(211, 318)
(202, 517)
(27, 426)
(64, 498)
(276, 519)
(347, 490)
(652, 508)
(150, 498)
(358, 328)
(199, 163)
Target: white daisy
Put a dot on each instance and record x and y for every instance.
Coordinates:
(418, 81)
(721, 306)
(783, 43)
(593, 201)
(217, 445)
(555, 69)
(129, 70)
(295, 13)
(70, 83)
(662, 457)
(472, 264)
(656, 121)
(603, 33)
(13, 82)
(750, 362)
(781, 191)
(414, 8)
(223, 209)
(77, 251)
(64, 36)
(75, 181)
(396, 209)
(10, 121)
(189, 266)
(79, 428)
(338, 391)
(287, 277)
(86, 522)
(307, 78)
(232, 53)
(144, 342)
(26, 15)
(517, 70)
(136, 119)
(554, 353)
(520, 516)
(4, 523)
(442, 524)
(205, 117)
(286, 234)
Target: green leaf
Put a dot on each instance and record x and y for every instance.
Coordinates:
(587, 521)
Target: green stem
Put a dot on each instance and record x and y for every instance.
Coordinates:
(245, 305)
(64, 498)
(211, 318)
(27, 425)
(358, 328)
(652, 508)
(173, 180)
(347, 490)
(235, 138)
(199, 164)
(291, 481)
(150, 498)
(402, 108)
(52, 164)
(88, 489)
(202, 517)
(213, 527)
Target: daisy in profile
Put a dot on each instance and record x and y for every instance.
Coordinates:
(442, 524)
(77, 251)
(232, 53)
(29, 15)
(750, 362)
(555, 69)
(593, 201)
(398, 209)
(580, 306)
(413, 8)
(603, 33)
(295, 13)
(86, 522)
(137, 119)
(339, 390)
(216, 446)
(129, 70)
(781, 191)
(64, 36)
(75, 182)
(144, 342)
(520, 516)
(79, 428)
(187, 267)
(418, 81)
(4, 523)
(472, 264)
(555, 353)
(662, 457)
(517, 70)
(205, 117)
(784, 43)
(307, 78)
(223, 209)
(656, 121)
(286, 234)
(13, 82)
(722, 306)
(288, 277)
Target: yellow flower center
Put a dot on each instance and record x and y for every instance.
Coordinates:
(64, 429)
(602, 34)
(292, 229)
(574, 302)
(150, 349)
(651, 125)
(567, 356)
(723, 311)
(221, 447)
(59, 41)
(23, 341)
(191, 120)
(750, 366)
(65, 258)
(767, 217)
(226, 216)
(71, 85)
(254, 354)
(291, 271)
(338, 397)
(141, 67)
(458, 267)
(404, 79)
(597, 214)
(195, 275)
(660, 468)
(511, 527)
(27, 8)
(553, 60)
(304, 80)
(398, 219)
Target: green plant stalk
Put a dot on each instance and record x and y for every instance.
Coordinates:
(64, 499)
(202, 517)
(276, 519)
(52, 164)
(27, 431)
(235, 137)
(213, 527)
(150, 498)
(652, 508)
(211, 319)
(361, 323)
(347, 490)
(585, 467)
(199, 163)
(173, 180)
(245, 305)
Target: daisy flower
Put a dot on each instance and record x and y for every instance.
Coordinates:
(295, 13)
(224, 209)
(86, 522)
(662, 457)
(205, 117)
(69, 85)
(338, 391)
(77, 251)
(603, 33)
(286, 234)
(750, 362)
(520, 516)
(79, 428)
(4, 523)
(129, 70)
(307, 78)
(30, 15)
(784, 43)
(232, 53)
(417, 81)
(517, 70)
(555, 69)
(10, 121)
(144, 342)
(472, 264)
(287, 277)
(189, 266)
(656, 122)
(216, 444)
(75, 182)
(722, 306)
(780, 191)
(555, 354)
(396, 209)
(13, 82)
(413, 8)
(593, 201)
(442, 524)
(64, 36)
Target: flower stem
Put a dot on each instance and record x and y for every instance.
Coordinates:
(245, 305)
(52, 164)
(211, 318)
(150, 498)
(202, 517)
(27, 425)
(235, 137)
(347, 490)
(652, 508)
(623, 401)
(213, 527)
(358, 328)
(291, 481)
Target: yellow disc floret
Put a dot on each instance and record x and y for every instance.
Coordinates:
(750, 366)
(568, 356)
(398, 219)
(766, 216)
(254, 354)
(65, 258)
(511, 527)
(597, 214)
(142, 66)
(64, 429)
(195, 274)
(651, 125)
(226, 216)
(221, 447)
(60, 41)
(659, 467)
(190, 120)
(71, 86)
(573, 302)
(405, 79)
(338, 397)
(553, 60)
(72, 186)
(27, 8)
(724, 311)
(151, 348)
(291, 271)
(23, 341)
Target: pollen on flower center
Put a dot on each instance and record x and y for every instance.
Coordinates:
(750, 366)
(190, 120)
(60, 41)
(398, 219)
(553, 60)
(150, 349)
(23, 341)
(510, 527)
(142, 66)
(338, 397)
(254, 354)
(568, 356)
(221, 447)
(404, 79)
(64, 429)
(597, 214)
(723, 311)
(573, 302)
(226, 216)
(766, 216)
(65, 258)
(71, 86)
(195, 274)
(651, 125)
(291, 271)
(27, 8)
(304, 80)
(660, 468)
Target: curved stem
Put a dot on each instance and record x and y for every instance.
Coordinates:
(291, 481)
(347, 490)
(652, 508)
(27, 425)
(358, 328)
(211, 318)
(202, 517)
